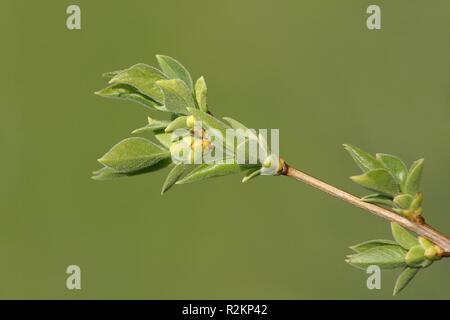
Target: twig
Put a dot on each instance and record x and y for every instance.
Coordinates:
(420, 228)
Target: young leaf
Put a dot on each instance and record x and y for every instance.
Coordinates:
(133, 154)
(404, 279)
(152, 125)
(415, 256)
(363, 159)
(386, 257)
(173, 177)
(403, 201)
(394, 165)
(251, 174)
(234, 123)
(208, 121)
(127, 92)
(176, 95)
(143, 77)
(110, 174)
(111, 74)
(403, 237)
(178, 123)
(379, 180)
(412, 184)
(366, 245)
(200, 94)
(377, 198)
(174, 70)
(164, 138)
(206, 171)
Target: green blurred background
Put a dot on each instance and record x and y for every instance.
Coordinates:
(309, 68)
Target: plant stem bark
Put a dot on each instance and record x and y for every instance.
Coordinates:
(420, 228)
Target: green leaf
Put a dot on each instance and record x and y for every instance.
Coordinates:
(175, 70)
(200, 94)
(164, 138)
(143, 77)
(251, 174)
(412, 184)
(377, 198)
(111, 74)
(379, 180)
(404, 279)
(363, 159)
(110, 174)
(366, 245)
(178, 123)
(152, 125)
(176, 95)
(173, 177)
(127, 92)
(206, 171)
(415, 256)
(235, 124)
(403, 237)
(209, 121)
(133, 154)
(403, 201)
(385, 257)
(394, 165)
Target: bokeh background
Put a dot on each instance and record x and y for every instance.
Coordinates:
(309, 68)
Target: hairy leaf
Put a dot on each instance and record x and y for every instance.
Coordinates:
(206, 171)
(404, 279)
(415, 256)
(362, 158)
(366, 245)
(377, 198)
(126, 92)
(412, 184)
(107, 173)
(201, 93)
(176, 95)
(394, 165)
(175, 70)
(173, 177)
(379, 180)
(385, 257)
(178, 123)
(133, 154)
(403, 237)
(143, 77)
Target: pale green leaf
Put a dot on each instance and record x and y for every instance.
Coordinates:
(366, 245)
(378, 199)
(403, 201)
(363, 159)
(133, 154)
(385, 257)
(107, 173)
(143, 77)
(412, 184)
(403, 237)
(176, 96)
(173, 176)
(201, 93)
(206, 171)
(175, 70)
(415, 256)
(394, 165)
(178, 123)
(127, 92)
(251, 174)
(379, 180)
(404, 279)
(164, 138)
(235, 124)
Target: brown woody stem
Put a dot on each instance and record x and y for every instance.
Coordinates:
(419, 227)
